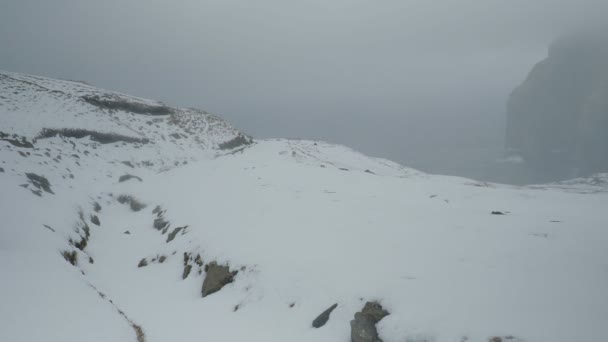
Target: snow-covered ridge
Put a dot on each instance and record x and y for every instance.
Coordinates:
(29, 104)
(184, 229)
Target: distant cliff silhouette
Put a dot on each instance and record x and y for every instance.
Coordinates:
(557, 120)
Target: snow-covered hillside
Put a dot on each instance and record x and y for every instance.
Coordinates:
(123, 219)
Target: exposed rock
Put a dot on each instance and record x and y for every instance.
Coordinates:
(239, 140)
(100, 137)
(363, 327)
(187, 270)
(126, 177)
(198, 260)
(134, 204)
(160, 223)
(128, 163)
(508, 338)
(1, 169)
(71, 257)
(19, 142)
(117, 103)
(95, 220)
(217, 277)
(162, 259)
(323, 317)
(143, 263)
(172, 235)
(97, 207)
(82, 244)
(497, 213)
(40, 182)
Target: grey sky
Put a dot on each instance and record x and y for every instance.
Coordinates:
(422, 82)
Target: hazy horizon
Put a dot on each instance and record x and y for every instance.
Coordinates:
(424, 84)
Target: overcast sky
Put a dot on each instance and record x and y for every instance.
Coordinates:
(421, 82)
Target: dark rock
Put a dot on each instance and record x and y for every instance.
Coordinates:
(497, 213)
(91, 261)
(128, 163)
(71, 257)
(187, 270)
(1, 169)
(369, 171)
(95, 220)
(239, 140)
(127, 232)
(217, 277)
(172, 235)
(97, 207)
(40, 182)
(82, 244)
(126, 177)
(198, 260)
(160, 223)
(19, 142)
(323, 317)
(143, 263)
(100, 137)
(162, 259)
(117, 103)
(134, 204)
(508, 338)
(363, 327)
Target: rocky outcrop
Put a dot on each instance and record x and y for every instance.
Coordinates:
(323, 317)
(39, 182)
(238, 141)
(557, 120)
(363, 327)
(100, 137)
(119, 103)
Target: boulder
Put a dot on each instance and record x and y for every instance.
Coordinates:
(217, 277)
(363, 327)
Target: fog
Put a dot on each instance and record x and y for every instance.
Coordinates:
(421, 82)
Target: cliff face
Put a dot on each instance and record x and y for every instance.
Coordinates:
(557, 120)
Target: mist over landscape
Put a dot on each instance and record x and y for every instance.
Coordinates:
(422, 83)
(328, 171)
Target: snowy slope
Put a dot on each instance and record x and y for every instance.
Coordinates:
(305, 224)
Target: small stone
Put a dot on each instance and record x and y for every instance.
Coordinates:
(95, 220)
(323, 317)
